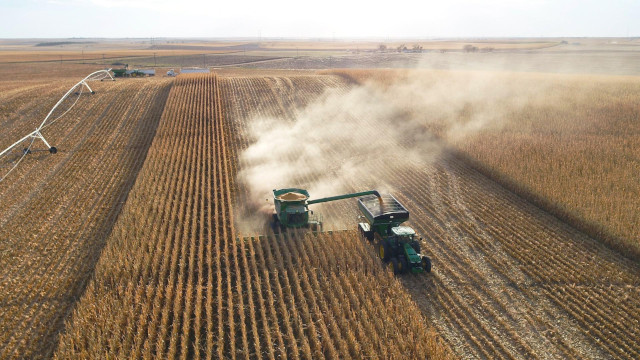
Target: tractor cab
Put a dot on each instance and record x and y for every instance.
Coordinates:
(403, 234)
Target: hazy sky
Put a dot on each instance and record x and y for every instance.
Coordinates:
(326, 18)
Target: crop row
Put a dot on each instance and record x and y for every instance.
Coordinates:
(57, 208)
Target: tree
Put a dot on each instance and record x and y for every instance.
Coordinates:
(469, 48)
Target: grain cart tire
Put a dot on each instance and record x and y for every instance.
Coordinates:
(426, 264)
(365, 235)
(404, 265)
(361, 233)
(384, 252)
(396, 266)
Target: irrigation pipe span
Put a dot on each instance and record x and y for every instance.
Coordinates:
(36, 134)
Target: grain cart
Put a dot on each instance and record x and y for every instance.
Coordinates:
(396, 245)
(292, 208)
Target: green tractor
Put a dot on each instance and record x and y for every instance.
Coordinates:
(292, 208)
(396, 245)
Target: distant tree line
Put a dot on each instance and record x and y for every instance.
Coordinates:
(416, 48)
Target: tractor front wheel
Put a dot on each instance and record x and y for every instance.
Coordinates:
(416, 246)
(426, 264)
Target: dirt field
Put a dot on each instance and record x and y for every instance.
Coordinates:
(565, 142)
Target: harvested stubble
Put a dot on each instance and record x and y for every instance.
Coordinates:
(569, 143)
(58, 208)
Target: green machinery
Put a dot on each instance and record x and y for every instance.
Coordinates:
(396, 245)
(125, 72)
(120, 72)
(292, 208)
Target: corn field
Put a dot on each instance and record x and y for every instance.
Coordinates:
(56, 212)
(176, 281)
(146, 236)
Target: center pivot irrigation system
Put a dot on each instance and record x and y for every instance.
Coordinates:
(76, 89)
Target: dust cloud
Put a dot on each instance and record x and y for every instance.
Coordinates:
(346, 138)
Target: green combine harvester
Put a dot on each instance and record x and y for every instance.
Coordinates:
(397, 245)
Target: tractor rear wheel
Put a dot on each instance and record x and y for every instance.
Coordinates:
(384, 252)
(396, 266)
(426, 264)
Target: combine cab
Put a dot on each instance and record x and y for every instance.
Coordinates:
(396, 245)
(292, 210)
